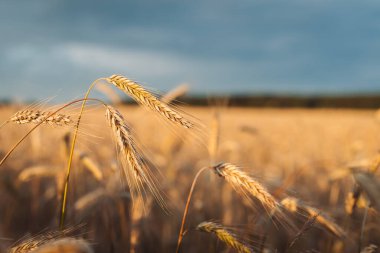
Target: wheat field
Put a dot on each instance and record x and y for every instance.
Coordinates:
(275, 180)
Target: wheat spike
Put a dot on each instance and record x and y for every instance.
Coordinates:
(224, 235)
(134, 169)
(293, 205)
(90, 200)
(142, 96)
(369, 249)
(36, 171)
(37, 116)
(33, 243)
(245, 185)
(63, 245)
(369, 183)
(92, 167)
(173, 94)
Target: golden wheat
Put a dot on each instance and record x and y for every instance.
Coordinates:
(224, 235)
(135, 170)
(246, 185)
(174, 93)
(64, 245)
(33, 243)
(293, 205)
(369, 249)
(369, 183)
(145, 98)
(92, 167)
(37, 116)
(36, 171)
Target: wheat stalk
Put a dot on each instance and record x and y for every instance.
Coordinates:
(37, 116)
(142, 96)
(293, 205)
(224, 235)
(246, 185)
(134, 169)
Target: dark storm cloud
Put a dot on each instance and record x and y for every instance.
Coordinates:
(51, 47)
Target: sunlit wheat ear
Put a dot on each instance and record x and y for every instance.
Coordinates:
(294, 205)
(136, 173)
(369, 249)
(36, 171)
(371, 186)
(142, 96)
(64, 245)
(37, 116)
(91, 166)
(175, 93)
(32, 244)
(224, 235)
(246, 185)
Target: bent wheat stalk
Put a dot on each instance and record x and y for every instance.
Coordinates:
(225, 236)
(142, 96)
(70, 160)
(181, 231)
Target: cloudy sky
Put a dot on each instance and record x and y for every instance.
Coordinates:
(51, 47)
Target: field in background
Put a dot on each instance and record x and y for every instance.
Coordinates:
(294, 152)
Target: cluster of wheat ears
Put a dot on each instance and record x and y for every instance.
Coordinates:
(142, 182)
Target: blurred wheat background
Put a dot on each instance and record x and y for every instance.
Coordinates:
(311, 155)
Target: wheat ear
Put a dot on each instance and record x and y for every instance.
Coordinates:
(142, 96)
(246, 185)
(135, 171)
(224, 235)
(293, 205)
(33, 243)
(369, 249)
(63, 245)
(37, 116)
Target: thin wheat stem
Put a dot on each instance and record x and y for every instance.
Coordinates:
(181, 232)
(362, 227)
(4, 123)
(68, 171)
